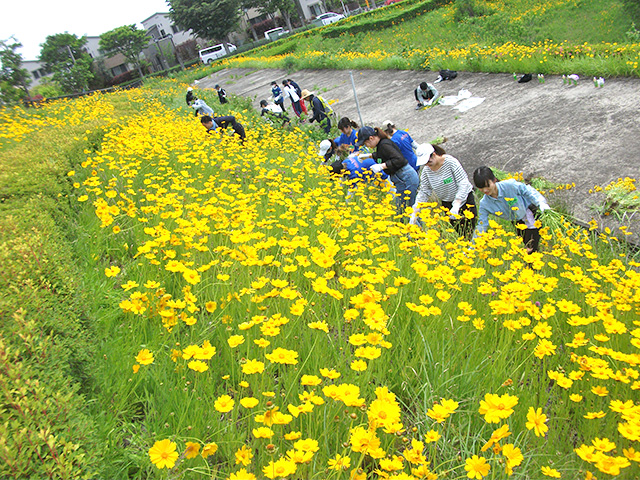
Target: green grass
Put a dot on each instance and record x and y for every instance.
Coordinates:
(510, 36)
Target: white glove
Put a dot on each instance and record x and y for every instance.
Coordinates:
(544, 206)
(413, 220)
(376, 167)
(455, 207)
(362, 156)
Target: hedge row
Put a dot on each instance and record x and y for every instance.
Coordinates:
(46, 350)
(380, 19)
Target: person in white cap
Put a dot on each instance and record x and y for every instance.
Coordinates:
(190, 96)
(443, 175)
(327, 149)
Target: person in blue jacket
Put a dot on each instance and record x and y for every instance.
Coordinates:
(278, 96)
(404, 141)
(346, 142)
(512, 201)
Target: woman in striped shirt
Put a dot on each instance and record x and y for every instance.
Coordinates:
(443, 175)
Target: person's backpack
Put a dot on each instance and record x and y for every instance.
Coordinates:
(448, 74)
(327, 109)
(525, 78)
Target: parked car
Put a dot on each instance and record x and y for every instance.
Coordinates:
(274, 33)
(209, 54)
(327, 18)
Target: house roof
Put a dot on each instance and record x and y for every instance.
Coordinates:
(157, 13)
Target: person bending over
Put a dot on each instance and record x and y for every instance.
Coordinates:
(212, 124)
(319, 113)
(443, 176)
(510, 200)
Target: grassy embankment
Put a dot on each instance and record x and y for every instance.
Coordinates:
(587, 37)
(169, 287)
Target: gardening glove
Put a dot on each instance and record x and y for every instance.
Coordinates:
(362, 156)
(376, 167)
(413, 220)
(544, 206)
(455, 209)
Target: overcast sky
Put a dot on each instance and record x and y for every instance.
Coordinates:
(31, 22)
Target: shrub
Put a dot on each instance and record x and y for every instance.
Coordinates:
(380, 19)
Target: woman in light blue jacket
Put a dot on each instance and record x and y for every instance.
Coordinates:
(512, 201)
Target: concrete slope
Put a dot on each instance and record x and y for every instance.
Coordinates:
(566, 134)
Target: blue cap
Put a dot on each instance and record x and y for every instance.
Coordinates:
(363, 135)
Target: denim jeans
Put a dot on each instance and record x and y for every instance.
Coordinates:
(405, 179)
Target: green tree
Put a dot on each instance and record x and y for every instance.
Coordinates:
(14, 80)
(65, 56)
(210, 19)
(127, 40)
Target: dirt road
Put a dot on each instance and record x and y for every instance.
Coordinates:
(566, 134)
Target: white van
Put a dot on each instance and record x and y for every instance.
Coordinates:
(209, 54)
(274, 33)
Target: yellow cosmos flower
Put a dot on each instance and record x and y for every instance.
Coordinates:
(359, 365)
(496, 407)
(243, 455)
(536, 422)
(144, 357)
(339, 463)
(252, 366)
(235, 340)
(163, 454)
(550, 472)
(477, 467)
(242, 474)
(198, 366)
(112, 271)
(262, 432)
(249, 402)
(191, 450)
(281, 468)
(209, 449)
(224, 403)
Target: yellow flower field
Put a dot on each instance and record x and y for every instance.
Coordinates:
(271, 327)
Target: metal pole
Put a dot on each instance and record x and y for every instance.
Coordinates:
(355, 95)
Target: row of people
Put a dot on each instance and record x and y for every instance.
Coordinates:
(441, 175)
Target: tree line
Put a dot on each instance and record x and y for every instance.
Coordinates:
(65, 56)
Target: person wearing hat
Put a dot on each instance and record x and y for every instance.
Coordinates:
(273, 112)
(190, 97)
(211, 124)
(222, 95)
(443, 176)
(425, 95)
(404, 142)
(390, 160)
(327, 149)
(319, 114)
(290, 92)
(512, 201)
(278, 97)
